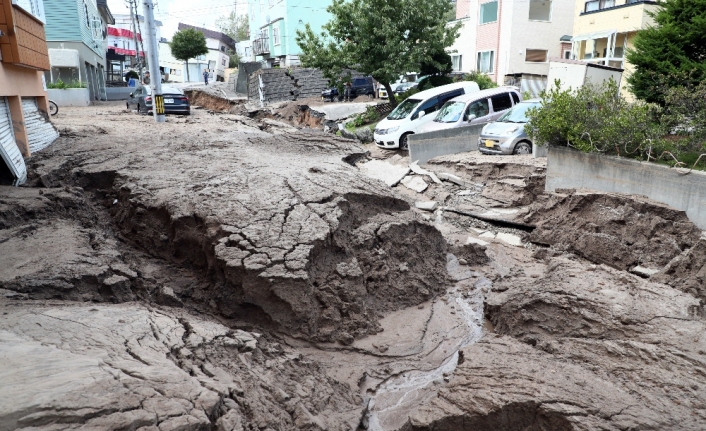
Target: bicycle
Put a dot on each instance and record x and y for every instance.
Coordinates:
(53, 108)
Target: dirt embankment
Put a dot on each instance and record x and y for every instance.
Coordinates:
(617, 230)
(279, 228)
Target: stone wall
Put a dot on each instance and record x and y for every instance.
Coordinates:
(286, 84)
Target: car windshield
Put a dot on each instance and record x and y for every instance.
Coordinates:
(403, 109)
(518, 114)
(450, 112)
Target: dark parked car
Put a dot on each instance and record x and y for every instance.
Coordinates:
(330, 94)
(401, 88)
(362, 87)
(175, 102)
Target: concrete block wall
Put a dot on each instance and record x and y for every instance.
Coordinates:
(571, 169)
(426, 146)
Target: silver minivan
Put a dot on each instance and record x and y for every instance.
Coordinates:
(482, 107)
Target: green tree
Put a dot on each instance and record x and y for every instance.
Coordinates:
(186, 44)
(237, 27)
(380, 38)
(672, 52)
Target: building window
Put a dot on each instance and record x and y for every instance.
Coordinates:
(536, 55)
(540, 10)
(594, 5)
(85, 11)
(223, 49)
(488, 12)
(485, 61)
(457, 63)
(275, 36)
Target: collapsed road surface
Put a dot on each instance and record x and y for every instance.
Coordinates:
(221, 272)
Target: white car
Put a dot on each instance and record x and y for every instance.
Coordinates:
(482, 107)
(412, 114)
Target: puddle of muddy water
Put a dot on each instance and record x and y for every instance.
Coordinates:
(390, 402)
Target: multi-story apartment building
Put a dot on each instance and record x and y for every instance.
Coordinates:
(80, 26)
(605, 29)
(510, 38)
(24, 124)
(273, 27)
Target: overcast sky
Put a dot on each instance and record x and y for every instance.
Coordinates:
(172, 12)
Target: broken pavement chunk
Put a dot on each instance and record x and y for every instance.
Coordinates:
(386, 172)
(415, 183)
(426, 206)
(419, 171)
(510, 239)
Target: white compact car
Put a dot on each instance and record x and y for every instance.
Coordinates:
(412, 114)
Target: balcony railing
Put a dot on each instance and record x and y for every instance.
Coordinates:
(261, 46)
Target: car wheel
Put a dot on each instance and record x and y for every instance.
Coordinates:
(404, 143)
(522, 148)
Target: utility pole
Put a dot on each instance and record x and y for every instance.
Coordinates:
(134, 38)
(156, 77)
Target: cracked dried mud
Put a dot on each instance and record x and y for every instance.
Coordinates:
(227, 271)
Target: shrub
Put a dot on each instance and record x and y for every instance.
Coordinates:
(404, 96)
(369, 116)
(61, 85)
(483, 80)
(434, 81)
(595, 119)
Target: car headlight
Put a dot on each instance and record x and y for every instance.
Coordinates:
(511, 130)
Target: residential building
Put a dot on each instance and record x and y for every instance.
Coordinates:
(24, 124)
(216, 61)
(605, 29)
(171, 68)
(125, 47)
(80, 26)
(510, 38)
(274, 24)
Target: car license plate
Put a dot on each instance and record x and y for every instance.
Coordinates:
(168, 100)
(489, 143)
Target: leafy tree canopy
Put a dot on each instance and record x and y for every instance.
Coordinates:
(186, 44)
(672, 53)
(379, 38)
(237, 27)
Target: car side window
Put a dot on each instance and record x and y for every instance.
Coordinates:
(501, 102)
(428, 107)
(448, 96)
(515, 98)
(479, 108)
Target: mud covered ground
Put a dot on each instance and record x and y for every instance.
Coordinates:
(234, 271)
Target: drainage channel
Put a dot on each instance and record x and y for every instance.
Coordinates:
(388, 407)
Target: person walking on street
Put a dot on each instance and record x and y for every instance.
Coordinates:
(347, 92)
(205, 77)
(146, 79)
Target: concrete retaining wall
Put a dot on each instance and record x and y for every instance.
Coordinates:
(119, 93)
(70, 96)
(569, 169)
(426, 146)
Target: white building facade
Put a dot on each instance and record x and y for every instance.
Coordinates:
(510, 38)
